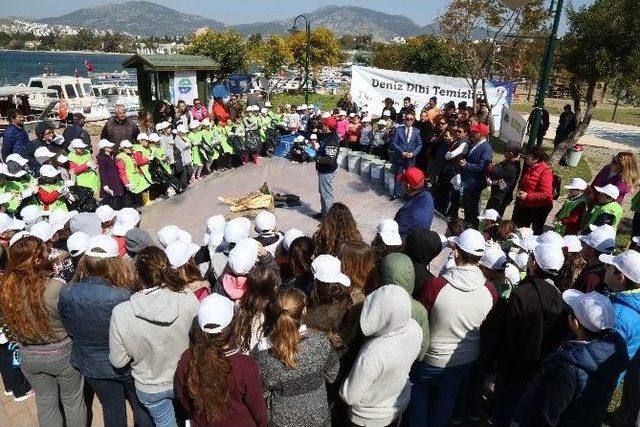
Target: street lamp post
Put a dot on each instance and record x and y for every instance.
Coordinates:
(307, 58)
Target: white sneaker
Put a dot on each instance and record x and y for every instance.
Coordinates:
(25, 397)
(8, 393)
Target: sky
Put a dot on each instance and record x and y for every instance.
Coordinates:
(245, 11)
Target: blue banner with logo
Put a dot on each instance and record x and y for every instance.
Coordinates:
(185, 86)
(508, 85)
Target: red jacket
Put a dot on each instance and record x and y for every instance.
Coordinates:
(220, 113)
(537, 182)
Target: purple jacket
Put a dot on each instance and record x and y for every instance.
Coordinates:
(109, 175)
(603, 179)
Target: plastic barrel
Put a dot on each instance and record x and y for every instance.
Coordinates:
(377, 173)
(343, 158)
(354, 161)
(389, 178)
(574, 155)
(365, 166)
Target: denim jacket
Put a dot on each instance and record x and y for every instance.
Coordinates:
(85, 308)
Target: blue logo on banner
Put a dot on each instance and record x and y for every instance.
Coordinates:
(184, 86)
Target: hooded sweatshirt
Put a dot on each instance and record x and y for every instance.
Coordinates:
(422, 246)
(151, 331)
(397, 269)
(627, 306)
(458, 303)
(377, 389)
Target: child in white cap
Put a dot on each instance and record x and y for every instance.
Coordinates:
(130, 174)
(183, 165)
(112, 191)
(600, 241)
(51, 189)
(569, 218)
(195, 139)
(268, 235)
(575, 385)
(82, 166)
(607, 210)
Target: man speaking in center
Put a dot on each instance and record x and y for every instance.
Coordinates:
(404, 147)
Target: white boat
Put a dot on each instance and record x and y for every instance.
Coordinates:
(17, 97)
(75, 91)
(115, 94)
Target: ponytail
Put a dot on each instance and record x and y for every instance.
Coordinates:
(208, 373)
(283, 322)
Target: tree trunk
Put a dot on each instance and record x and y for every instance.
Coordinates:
(604, 91)
(489, 106)
(582, 122)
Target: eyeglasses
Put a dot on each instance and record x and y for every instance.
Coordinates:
(409, 119)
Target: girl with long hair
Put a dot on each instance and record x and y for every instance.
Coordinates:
(358, 263)
(336, 228)
(621, 172)
(262, 283)
(181, 256)
(102, 281)
(299, 258)
(215, 383)
(29, 309)
(151, 330)
(295, 364)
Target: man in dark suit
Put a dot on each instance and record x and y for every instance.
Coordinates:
(474, 167)
(404, 147)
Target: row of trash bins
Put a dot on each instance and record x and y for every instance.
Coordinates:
(369, 167)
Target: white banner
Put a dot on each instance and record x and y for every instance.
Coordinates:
(370, 86)
(512, 126)
(185, 86)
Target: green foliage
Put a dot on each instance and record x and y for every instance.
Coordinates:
(325, 102)
(421, 54)
(325, 49)
(270, 55)
(363, 58)
(227, 48)
(349, 42)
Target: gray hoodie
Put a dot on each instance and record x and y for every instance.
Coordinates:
(151, 331)
(377, 389)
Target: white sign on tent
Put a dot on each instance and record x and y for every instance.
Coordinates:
(512, 126)
(185, 86)
(370, 86)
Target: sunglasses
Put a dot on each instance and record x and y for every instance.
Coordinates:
(408, 119)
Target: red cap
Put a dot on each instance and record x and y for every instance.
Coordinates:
(414, 177)
(481, 128)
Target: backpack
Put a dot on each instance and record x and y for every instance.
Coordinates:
(556, 185)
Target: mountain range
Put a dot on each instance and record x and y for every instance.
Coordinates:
(145, 18)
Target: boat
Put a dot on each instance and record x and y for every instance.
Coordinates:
(115, 94)
(75, 91)
(18, 97)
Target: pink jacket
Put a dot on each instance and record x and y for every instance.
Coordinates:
(341, 128)
(199, 113)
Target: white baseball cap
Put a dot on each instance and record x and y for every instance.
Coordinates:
(298, 138)
(243, 256)
(291, 235)
(389, 232)
(264, 110)
(609, 189)
(382, 122)
(512, 274)
(267, 104)
(593, 310)
(77, 243)
(549, 257)
(17, 158)
(366, 119)
(102, 246)
(126, 219)
(576, 184)
(386, 113)
(551, 238)
(328, 269)
(303, 107)
(62, 158)
(520, 259)
(471, 241)
(215, 313)
(287, 105)
(342, 113)
(19, 235)
(31, 213)
(490, 214)
(601, 239)
(49, 171)
(237, 229)
(215, 230)
(14, 225)
(325, 115)
(205, 122)
(352, 114)
(43, 152)
(180, 252)
(5, 220)
(182, 128)
(105, 213)
(58, 218)
(162, 125)
(494, 258)
(265, 221)
(5, 198)
(313, 136)
(42, 230)
(172, 233)
(154, 137)
(527, 243)
(77, 143)
(628, 263)
(194, 124)
(572, 243)
(142, 136)
(126, 144)
(105, 143)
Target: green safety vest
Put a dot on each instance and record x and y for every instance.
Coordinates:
(195, 138)
(59, 204)
(16, 187)
(146, 152)
(612, 208)
(135, 177)
(223, 131)
(566, 209)
(160, 154)
(88, 178)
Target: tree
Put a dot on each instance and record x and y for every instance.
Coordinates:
(271, 55)
(387, 56)
(422, 54)
(465, 20)
(325, 49)
(227, 48)
(601, 44)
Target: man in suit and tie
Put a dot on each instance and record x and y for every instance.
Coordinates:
(404, 147)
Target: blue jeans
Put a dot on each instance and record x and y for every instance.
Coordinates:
(325, 187)
(434, 393)
(506, 396)
(160, 406)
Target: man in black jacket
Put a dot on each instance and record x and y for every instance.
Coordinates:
(326, 165)
(542, 128)
(566, 125)
(504, 178)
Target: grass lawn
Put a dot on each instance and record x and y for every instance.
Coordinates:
(624, 115)
(325, 102)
